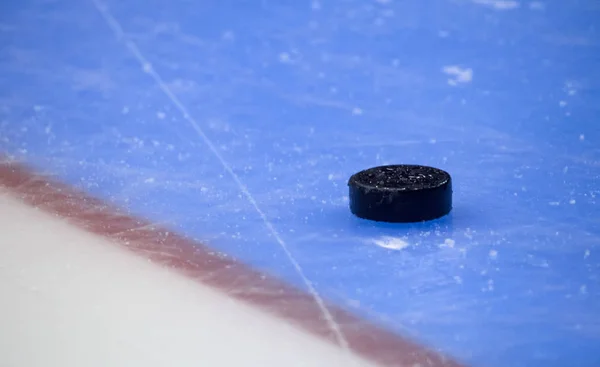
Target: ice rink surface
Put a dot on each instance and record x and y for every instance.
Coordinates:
(71, 300)
(237, 124)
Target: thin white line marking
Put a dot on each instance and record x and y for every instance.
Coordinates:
(147, 67)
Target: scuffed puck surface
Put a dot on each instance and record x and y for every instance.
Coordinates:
(401, 193)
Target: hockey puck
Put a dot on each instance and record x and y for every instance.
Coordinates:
(400, 193)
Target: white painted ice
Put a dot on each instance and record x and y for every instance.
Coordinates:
(69, 298)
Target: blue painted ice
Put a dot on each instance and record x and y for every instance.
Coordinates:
(239, 122)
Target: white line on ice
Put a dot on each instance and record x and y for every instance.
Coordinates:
(147, 67)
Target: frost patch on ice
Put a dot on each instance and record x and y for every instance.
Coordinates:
(160, 115)
(448, 242)
(288, 58)
(228, 36)
(391, 243)
(460, 75)
(537, 5)
(357, 111)
(284, 57)
(582, 137)
(571, 87)
(586, 254)
(498, 4)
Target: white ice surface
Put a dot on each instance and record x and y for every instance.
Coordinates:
(70, 298)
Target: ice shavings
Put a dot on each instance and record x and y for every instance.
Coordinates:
(458, 74)
(391, 243)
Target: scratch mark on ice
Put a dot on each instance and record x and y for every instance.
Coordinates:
(117, 29)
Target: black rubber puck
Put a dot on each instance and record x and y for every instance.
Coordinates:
(400, 193)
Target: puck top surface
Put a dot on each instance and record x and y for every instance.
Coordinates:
(400, 193)
(401, 177)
